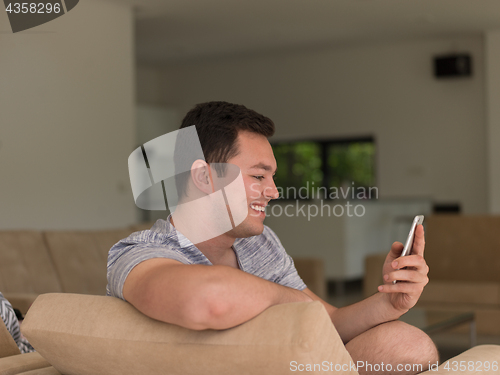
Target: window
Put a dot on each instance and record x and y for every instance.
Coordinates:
(335, 169)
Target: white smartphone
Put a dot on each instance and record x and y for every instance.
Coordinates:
(419, 219)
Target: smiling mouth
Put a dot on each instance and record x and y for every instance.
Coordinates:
(258, 208)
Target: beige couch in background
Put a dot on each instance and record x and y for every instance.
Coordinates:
(34, 262)
(37, 262)
(463, 254)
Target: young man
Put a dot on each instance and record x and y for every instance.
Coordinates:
(230, 278)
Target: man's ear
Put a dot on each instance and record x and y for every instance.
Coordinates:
(200, 174)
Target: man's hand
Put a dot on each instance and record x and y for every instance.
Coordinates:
(394, 299)
(411, 280)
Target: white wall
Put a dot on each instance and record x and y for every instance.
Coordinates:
(67, 120)
(148, 85)
(431, 134)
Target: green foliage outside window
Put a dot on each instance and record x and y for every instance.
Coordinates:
(331, 164)
(351, 164)
(299, 165)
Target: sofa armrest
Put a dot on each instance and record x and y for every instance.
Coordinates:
(8, 346)
(87, 334)
(476, 356)
(21, 363)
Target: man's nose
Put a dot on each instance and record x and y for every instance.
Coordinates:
(271, 192)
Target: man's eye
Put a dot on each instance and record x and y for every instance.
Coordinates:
(260, 178)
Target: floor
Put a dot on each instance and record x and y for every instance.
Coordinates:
(448, 344)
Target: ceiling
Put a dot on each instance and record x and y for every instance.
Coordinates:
(183, 30)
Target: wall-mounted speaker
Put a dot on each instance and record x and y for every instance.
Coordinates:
(453, 66)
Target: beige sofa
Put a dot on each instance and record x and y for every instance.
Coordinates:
(463, 254)
(88, 335)
(77, 330)
(37, 262)
(34, 262)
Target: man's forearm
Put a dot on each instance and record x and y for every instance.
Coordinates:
(202, 297)
(236, 297)
(350, 321)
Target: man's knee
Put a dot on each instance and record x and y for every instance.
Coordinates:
(428, 350)
(406, 349)
(415, 346)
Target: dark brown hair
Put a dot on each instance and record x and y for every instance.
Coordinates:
(218, 125)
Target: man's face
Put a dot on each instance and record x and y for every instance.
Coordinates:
(258, 166)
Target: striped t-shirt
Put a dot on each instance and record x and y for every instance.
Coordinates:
(261, 255)
(10, 319)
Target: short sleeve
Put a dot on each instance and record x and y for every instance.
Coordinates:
(123, 258)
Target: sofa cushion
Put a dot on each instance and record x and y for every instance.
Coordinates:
(18, 364)
(463, 248)
(25, 264)
(96, 334)
(41, 371)
(8, 346)
(456, 292)
(80, 258)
